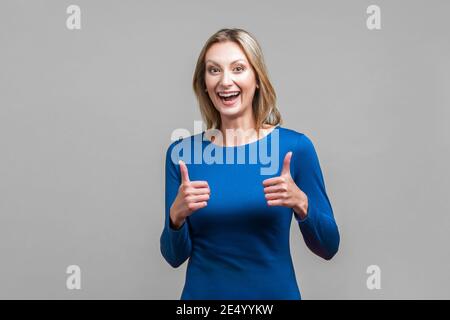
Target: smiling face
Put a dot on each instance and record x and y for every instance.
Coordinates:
(229, 79)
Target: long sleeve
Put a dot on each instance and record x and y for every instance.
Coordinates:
(319, 228)
(175, 244)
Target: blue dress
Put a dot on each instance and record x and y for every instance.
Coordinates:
(238, 246)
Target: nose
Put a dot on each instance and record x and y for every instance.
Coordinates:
(226, 79)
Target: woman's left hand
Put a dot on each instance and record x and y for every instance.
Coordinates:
(283, 191)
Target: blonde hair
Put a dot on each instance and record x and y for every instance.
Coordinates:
(264, 100)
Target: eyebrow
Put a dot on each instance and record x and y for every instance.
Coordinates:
(230, 63)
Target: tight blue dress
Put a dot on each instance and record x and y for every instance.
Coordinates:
(237, 246)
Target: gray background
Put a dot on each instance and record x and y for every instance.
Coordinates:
(86, 117)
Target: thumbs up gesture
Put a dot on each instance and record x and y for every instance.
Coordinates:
(283, 191)
(192, 195)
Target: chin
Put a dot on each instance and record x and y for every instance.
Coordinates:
(235, 113)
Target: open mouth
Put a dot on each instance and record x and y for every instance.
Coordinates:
(229, 98)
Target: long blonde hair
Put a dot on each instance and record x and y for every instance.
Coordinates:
(264, 100)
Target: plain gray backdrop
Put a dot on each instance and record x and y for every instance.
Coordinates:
(86, 117)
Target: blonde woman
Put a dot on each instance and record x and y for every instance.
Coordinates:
(229, 214)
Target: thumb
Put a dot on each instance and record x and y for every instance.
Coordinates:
(287, 164)
(184, 171)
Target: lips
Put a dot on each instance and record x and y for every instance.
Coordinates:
(228, 98)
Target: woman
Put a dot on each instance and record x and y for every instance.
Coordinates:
(232, 220)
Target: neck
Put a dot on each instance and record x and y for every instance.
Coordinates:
(240, 131)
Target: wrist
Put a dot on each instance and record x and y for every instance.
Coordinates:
(175, 221)
(301, 210)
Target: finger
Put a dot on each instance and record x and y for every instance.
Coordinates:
(278, 202)
(287, 164)
(199, 198)
(197, 205)
(274, 196)
(184, 171)
(197, 191)
(275, 188)
(199, 184)
(272, 181)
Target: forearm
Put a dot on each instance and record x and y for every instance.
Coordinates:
(320, 233)
(175, 244)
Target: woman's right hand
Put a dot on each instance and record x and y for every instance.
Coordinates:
(192, 195)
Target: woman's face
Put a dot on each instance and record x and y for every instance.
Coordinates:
(229, 72)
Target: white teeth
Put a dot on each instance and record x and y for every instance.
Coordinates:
(224, 95)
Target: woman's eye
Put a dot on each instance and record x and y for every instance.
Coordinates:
(214, 69)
